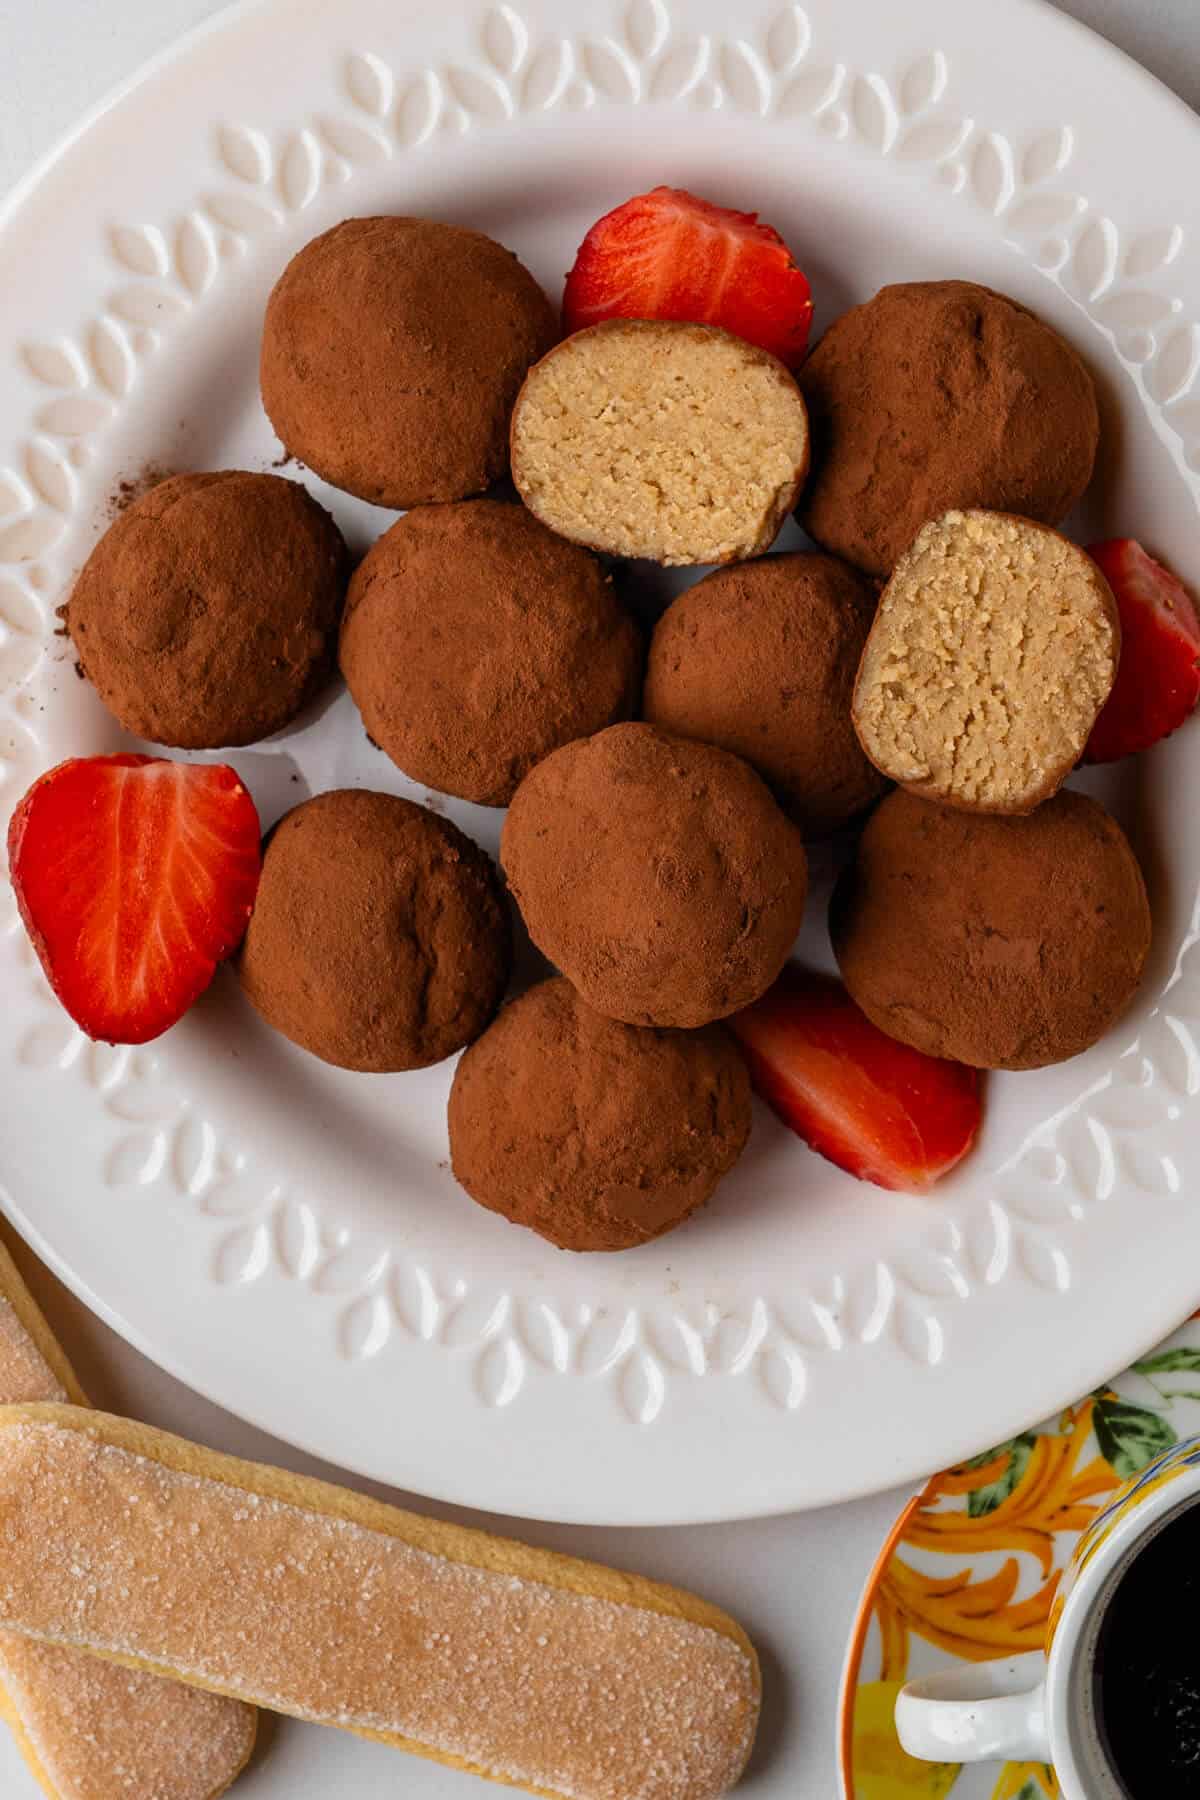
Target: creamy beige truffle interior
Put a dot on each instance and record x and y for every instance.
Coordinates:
(655, 439)
(994, 647)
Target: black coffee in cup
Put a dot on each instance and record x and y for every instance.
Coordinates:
(1147, 1670)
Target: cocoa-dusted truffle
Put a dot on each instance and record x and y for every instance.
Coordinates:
(1006, 943)
(475, 642)
(760, 659)
(648, 437)
(936, 395)
(379, 939)
(207, 614)
(993, 650)
(392, 353)
(594, 1134)
(657, 873)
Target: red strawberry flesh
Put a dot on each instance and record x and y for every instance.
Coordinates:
(878, 1109)
(1158, 677)
(135, 877)
(669, 255)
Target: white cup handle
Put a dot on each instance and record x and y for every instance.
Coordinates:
(974, 1715)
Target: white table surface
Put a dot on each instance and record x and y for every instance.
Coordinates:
(795, 1581)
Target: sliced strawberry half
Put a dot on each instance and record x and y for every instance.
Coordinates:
(669, 255)
(876, 1108)
(135, 876)
(1158, 677)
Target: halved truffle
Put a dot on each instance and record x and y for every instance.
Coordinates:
(994, 648)
(651, 438)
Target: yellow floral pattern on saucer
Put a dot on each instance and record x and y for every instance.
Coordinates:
(972, 1568)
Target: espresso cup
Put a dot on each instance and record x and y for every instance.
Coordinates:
(1049, 1709)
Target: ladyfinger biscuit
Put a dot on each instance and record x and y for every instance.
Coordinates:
(90, 1730)
(539, 1670)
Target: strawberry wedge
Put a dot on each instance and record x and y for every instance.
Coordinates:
(670, 255)
(876, 1108)
(135, 876)
(1158, 677)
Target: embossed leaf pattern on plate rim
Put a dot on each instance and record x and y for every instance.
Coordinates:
(162, 271)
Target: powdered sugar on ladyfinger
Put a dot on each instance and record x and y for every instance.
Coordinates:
(532, 1681)
(90, 1730)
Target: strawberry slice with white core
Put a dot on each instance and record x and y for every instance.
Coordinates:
(135, 877)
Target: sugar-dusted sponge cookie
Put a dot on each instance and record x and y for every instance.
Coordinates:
(87, 1729)
(535, 1669)
(940, 394)
(994, 648)
(645, 437)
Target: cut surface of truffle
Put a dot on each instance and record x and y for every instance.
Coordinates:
(650, 438)
(475, 642)
(994, 648)
(760, 658)
(937, 395)
(657, 873)
(392, 352)
(1005, 943)
(595, 1134)
(379, 939)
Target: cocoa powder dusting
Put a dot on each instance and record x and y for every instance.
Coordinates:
(392, 352)
(760, 658)
(475, 642)
(133, 487)
(1006, 943)
(207, 614)
(941, 394)
(595, 1134)
(379, 939)
(657, 873)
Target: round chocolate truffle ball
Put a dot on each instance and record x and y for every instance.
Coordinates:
(1003, 942)
(475, 642)
(379, 939)
(940, 395)
(760, 658)
(207, 614)
(657, 873)
(392, 353)
(594, 1134)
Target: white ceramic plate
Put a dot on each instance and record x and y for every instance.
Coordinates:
(288, 1238)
